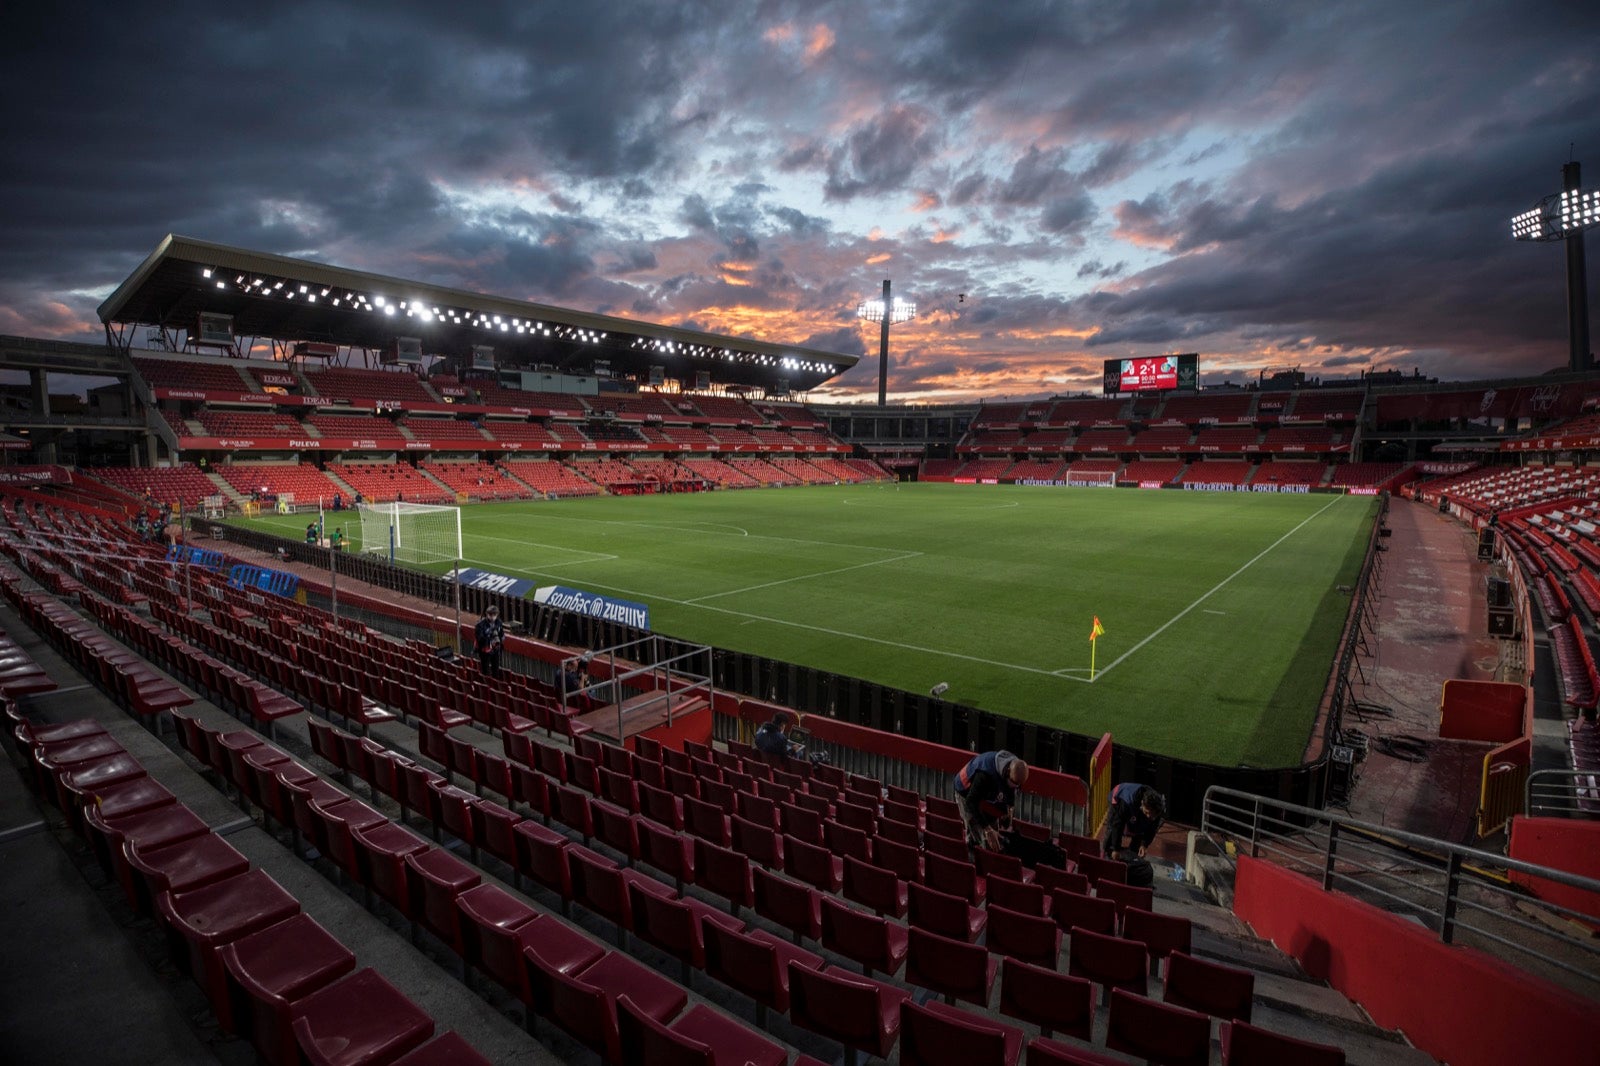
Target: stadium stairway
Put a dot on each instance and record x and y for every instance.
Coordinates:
(425, 472)
(225, 490)
(510, 471)
(53, 889)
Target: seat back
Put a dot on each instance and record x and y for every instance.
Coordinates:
(597, 884)
(940, 912)
(904, 860)
(842, 1007)
(1043, 1052)
(1071, 910)
(659, 805)
(1159, 1031)
(953, 877)
(1014, 895)
(666, 850)
(802, 823)
(643, 1039)
(757, 841)
(667, 923)
(706, 820)
(995, 862)
(723, 871)
(854, 934)
(1056, 1002)
(1108, 960)
(1097, 868)
(1161, 934)
(1244, 1044)
(1126, 897)
(742, 962)
(948, 966)
(1218, 990)
(1024, 936)
(847, 840)
(936, 1035)
(811, 864)
(1051, 878)
(873, 886)
(789, 903)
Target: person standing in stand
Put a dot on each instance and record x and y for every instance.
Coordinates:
(489, 635)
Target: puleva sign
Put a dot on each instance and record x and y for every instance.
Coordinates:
(594, 605)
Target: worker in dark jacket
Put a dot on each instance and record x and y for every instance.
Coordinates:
(1131, 822)
(986, 788)
(773, 737)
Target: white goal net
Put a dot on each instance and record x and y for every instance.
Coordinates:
(411, 532)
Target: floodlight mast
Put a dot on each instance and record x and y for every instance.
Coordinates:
(885, 311)
(1564, 216)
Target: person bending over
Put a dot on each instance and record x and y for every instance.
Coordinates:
(1135, 814)
(986, 789)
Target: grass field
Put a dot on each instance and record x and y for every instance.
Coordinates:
(1221, 611)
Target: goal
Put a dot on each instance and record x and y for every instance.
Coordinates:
(411, 532)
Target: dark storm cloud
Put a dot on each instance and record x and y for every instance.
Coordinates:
(881, 154)
(1070, 214)
(798, 223)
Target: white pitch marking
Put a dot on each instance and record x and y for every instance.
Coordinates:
(800, 577)
(1106, 669)
(1210, 611)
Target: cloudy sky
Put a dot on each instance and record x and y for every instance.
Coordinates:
(1325, 185)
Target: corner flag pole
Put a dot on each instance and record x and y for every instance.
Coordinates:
(1096, 631)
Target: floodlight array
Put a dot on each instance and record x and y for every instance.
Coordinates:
(899, 310)
(729, 355)
(1558, 216)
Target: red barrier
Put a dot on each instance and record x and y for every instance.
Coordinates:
(1563, 844)
(1051, 784)
(1456, 1003)
(1494, 711)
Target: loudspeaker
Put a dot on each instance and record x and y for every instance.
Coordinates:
(1499, 592)
(1485, 544)
(1502, 623)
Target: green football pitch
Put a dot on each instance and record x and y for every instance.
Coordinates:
(1221, 611)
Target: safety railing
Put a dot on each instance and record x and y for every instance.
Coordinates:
(1564, 793)
(1463, 894)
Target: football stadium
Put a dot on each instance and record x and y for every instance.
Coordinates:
(386, 663)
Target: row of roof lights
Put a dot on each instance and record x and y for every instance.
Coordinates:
(706, 351)
(252, 285)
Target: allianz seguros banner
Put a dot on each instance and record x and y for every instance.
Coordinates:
(594, 605)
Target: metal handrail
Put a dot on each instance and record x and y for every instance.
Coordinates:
(1565, 793)
(1464, 894)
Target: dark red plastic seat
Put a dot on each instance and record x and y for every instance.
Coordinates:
(953, 968)
(182, 866)
(815, 866)
(436, 878)
(755, 963)
(1024, 936)
(1244, 1044)
(1070, 910)
(360, 1019)
(446, 1049)
(1218, 990)
(491, 919)
(667, 850)
(936, 1034)
(201, 920)
(381, 852)
(542, 857)
(1043, 1052)
(1051, 878)
(675, 925)
(724, 872)
(954, 877)
(876, 943)
(947, 915)
(795, 906)
(270, 970)
(1055, 1002)
(1025, 898)
(1158, 1031)
(702, 1037)
(584, 1003)
(1108, 960)
(1161, 934)
(874, 887)
(1125, 897)
(858, 1012)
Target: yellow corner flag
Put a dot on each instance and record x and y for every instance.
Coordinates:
(1096, 631)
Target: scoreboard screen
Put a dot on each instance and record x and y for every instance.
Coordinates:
(1151, 373)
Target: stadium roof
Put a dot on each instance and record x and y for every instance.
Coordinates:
(280, 298)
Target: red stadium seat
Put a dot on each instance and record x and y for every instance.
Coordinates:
(940, 1035)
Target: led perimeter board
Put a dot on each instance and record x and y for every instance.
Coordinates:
(1151, 374)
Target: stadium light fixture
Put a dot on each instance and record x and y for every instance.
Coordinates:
(885, 311)
(1564, 216)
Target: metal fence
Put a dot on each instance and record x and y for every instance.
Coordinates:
(1463, 894)
(1564, 794)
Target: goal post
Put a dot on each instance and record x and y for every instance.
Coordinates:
(411, 532)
